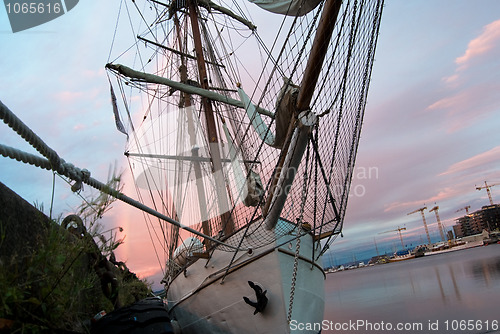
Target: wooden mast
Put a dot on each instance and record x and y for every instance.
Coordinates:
(186, 103)
(227, 224)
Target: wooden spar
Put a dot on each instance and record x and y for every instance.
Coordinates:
(318, 52)
(177, 52)
(200, 189)
(151, 78)
(221, 9)
(196, 158)
(230, 14)
(227, 224)
(299, 136)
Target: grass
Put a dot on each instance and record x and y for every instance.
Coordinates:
(55, 287)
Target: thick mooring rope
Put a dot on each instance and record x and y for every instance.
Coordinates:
(80, 176)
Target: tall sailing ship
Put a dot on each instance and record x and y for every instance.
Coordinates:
(247, 142)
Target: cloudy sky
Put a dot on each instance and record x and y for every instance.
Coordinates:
(430, 132)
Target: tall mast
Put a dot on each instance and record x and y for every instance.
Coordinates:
(227, 224)
(186, 103)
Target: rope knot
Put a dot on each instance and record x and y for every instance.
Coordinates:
(81, 177)
(85, 175)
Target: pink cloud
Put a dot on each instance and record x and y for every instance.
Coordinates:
(468, 105)
(444, 194)
(79, 127)
(451, 80)
(478, 95)
(474, 66)
(68, 96)
(450, 102)
(480, 45)
(138, 251)
(478, 160)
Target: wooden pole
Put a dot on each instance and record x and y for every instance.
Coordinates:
(318, 52)
(222, 198)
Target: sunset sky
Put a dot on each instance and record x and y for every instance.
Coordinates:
(430, 135)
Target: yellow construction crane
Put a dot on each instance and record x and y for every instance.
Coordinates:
(488, 190)
(466, 208)
(440, 226)
(425, 223)
(399, 229)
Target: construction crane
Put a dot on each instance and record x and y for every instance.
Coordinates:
(399, 229)
(425, 223)
(466, 208)
(440, 226)
(488, 190)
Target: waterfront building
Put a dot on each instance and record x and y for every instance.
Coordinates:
(487, 218)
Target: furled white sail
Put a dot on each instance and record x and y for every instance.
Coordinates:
(258, 124)
(287, 7)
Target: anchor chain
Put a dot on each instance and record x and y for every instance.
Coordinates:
(294, 274)
(299, 235)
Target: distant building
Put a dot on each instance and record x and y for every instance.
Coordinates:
(487, 218)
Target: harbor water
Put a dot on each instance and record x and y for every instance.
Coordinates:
(456, 292)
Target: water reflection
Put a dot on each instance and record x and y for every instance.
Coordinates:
(453, 286)
(443, 295)
(454, 283)
(486, 269)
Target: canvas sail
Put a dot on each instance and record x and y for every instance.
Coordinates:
(287, 7)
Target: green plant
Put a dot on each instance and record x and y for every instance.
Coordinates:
(55, 285)
(52, 287)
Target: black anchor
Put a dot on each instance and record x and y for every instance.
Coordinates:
(261, 303)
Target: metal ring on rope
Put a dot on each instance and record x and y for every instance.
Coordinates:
(80, 231)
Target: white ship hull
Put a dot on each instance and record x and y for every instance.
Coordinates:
(202, 303)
